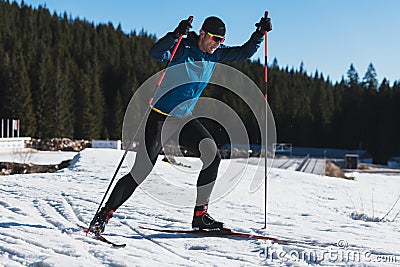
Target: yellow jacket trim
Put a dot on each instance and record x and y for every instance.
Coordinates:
(159, 111)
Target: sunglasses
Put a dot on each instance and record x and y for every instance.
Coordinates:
(216, 38)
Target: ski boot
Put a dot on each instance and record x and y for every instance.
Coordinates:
(100, 220)
(203, 221)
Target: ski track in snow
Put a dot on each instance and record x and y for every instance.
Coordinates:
(39, 213)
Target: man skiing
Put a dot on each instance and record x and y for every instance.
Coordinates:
(171, 110)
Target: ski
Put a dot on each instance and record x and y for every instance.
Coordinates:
(226, 232)
(105, 240)
(101, 238)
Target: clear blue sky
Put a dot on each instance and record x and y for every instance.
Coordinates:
(325, 35)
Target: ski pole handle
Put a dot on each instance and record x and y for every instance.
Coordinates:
(266, 59)
(179, 40)
(172, 55)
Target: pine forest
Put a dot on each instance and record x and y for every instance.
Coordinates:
(67, 77)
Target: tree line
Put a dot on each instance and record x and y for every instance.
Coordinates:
(67, 77)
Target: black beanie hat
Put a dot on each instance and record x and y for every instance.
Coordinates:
(214, 25)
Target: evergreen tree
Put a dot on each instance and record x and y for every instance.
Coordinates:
(43, 95)
(97, 98)
(21, 104)
(85, 121)
(63, 116)
(385, 128)
(395, 118)
(353, 80)
(323, 104)
(5, 82)
(119, 116)
(370, 110)
(370, 81)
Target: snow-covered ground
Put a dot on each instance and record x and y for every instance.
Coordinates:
(39, 212)
(36, 157)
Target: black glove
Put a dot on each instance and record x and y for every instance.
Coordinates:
(183, 28)
(264, 25)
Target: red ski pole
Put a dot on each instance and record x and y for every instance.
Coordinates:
(266, 120)
(131, 143)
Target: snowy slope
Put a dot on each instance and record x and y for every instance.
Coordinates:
(39, 212)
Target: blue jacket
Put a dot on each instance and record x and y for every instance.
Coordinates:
(184, 83)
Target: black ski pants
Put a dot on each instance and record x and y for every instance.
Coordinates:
(192, 135)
